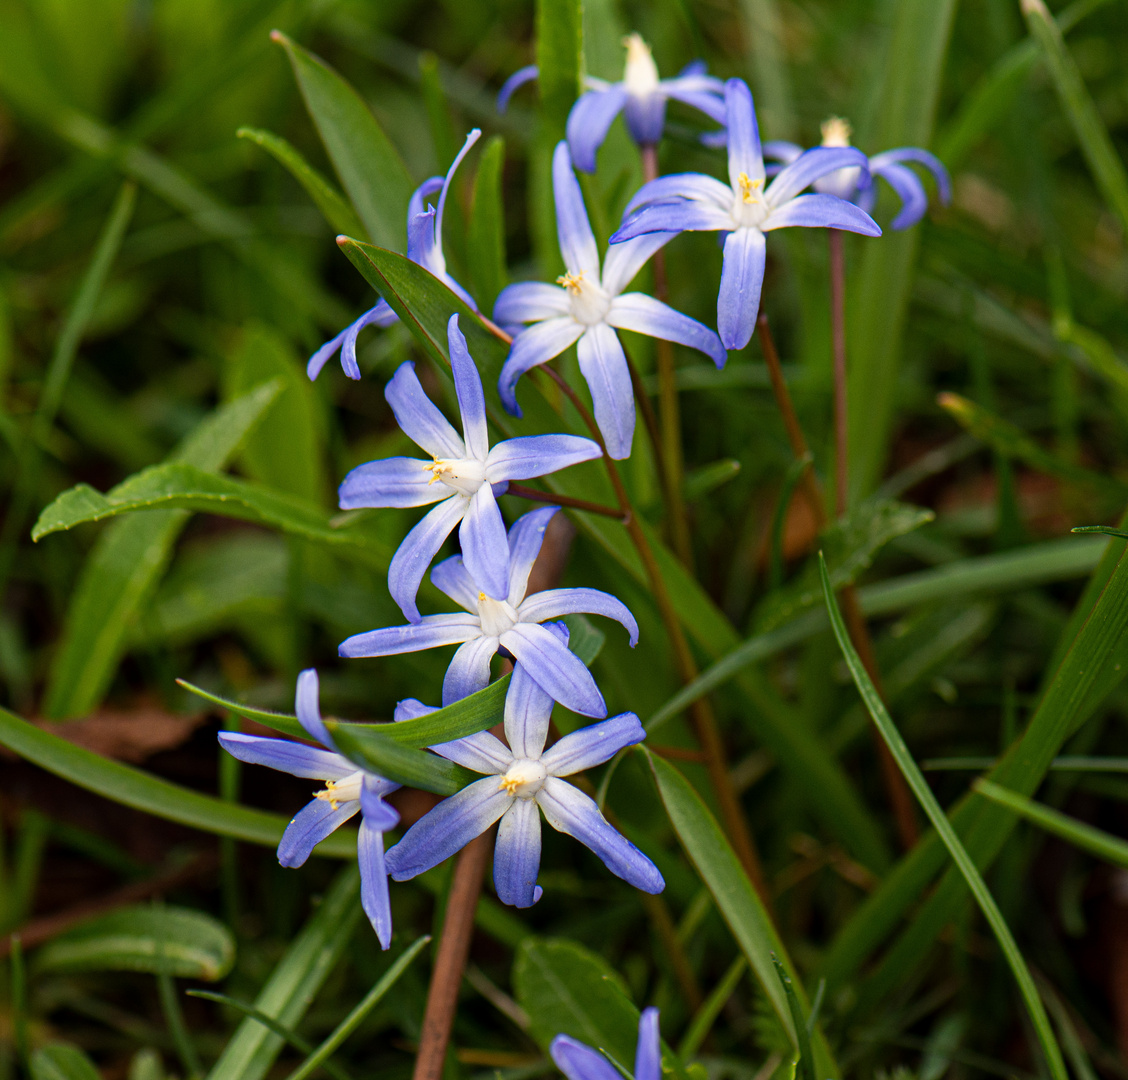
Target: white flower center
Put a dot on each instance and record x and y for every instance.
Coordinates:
(496, 616)
(341, 791)
(590, 303)
(748, 207)
(524, 778)
(641, 74)
(464, 475)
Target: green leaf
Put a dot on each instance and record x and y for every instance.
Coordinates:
(61, 1061)
(186, 487)
(910, 75)
(1096, 144)
(485, 233)
(127, 561)
(943, 827)
(1010, 441)
(370, 168)
(286, 451)
(569, 990)
(340, 215)
(701, 481)
(157, 940)
(295, 981)
(140, 790)
(1095, 841)
(718, 867)
(372, 750)
(853, 542)
(559, 60)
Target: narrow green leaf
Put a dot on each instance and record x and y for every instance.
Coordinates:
(127, 561)
(947, 834)
(1104, 530)
(370, 1000)
(711, 1007)
(806, 1061)
(1096, 841)
(158, 940)
(132, 787)
(61, 1061)
(295, 981)
(559, 60)
(1096, 144)
(370, 749)
(438, 112)
(340, 215)
(911, 70)
(485, 233)
(718, 867)
(701, 481)
(370, 168)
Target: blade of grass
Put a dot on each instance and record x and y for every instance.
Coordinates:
(711, 1007)
(947, 834)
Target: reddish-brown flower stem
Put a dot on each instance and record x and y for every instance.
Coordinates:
(533, 495)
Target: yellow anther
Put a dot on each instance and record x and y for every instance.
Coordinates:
(637, 49)
(329, 794)
(836, 131)
(571, 282)
(436, 468)
(510, 785)
(481, 597)
(750, 189)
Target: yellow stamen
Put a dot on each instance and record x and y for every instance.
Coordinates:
(481, 597)
(836, 131)
(749, 189)
(329, 794)
(510, 785)
(571, 282)
(436, 468)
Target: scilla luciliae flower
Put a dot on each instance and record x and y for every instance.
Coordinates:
(856, 183)
(578, 1061)
(463, 476)
(347, 790)
(424, 246)
(513, 624)
(586, 306)
(521, 782)
(745, 210)
(641, 96)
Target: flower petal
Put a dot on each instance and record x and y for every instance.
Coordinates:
(418, 548)
(377, 813)
(418, 202)
(744, 154)
(528, 709)
(625, 260)
(675, 215)
(821, 211)
(648, 1055)
(921, 157)
(742, 276)
(451, 825)
(452, 577)
(536, 345)
(530, 301)
(395, 481)
(526, 535)
(468, 388)
(537, 455)
(294, 758)
(517, 79)
(412, 709)
(910, 190)
(552, 603)
(778, 150)
(469, 670)
(577, 241)
(374, 882)
(808, 167)
(309, 826)
(429, 633)
(579, 1062)
(645, 116)
(418, 416)
(517, 854)
(471, 139)
(686, 91)
(559, 672)
(308, 707)
(481, 752)
(591, 746)
(422, 245)
(345, 341)
(696, 187)
(645, 315)
(569, 810)
(604, 368)
(485, 551)
(589, 122)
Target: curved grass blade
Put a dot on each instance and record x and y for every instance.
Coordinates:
(947, 834)
(1095, 841)
(485, 232)
(370, 1000)
(61, 1061)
